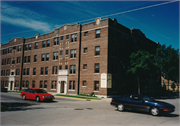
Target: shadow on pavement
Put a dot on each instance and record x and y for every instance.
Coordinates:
(16, 106)
(161, 115)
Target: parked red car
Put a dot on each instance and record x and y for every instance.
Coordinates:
(36, 94)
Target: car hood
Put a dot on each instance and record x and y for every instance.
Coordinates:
(164, 103)
(44, 94)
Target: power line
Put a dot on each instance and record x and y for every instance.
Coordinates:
(100, 17)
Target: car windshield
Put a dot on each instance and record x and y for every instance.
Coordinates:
(147, 98)
(40, 91)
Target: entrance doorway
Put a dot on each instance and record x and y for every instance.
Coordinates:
(62, 87)
(11, 84)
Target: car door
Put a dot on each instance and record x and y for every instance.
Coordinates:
(137, 103)
(31, 94)
(27, 93)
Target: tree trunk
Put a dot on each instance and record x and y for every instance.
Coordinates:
(138, 85)
(168, 84)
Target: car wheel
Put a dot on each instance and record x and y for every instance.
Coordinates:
(24, 97)
(120, 107)
(154, 111)
(37, 99)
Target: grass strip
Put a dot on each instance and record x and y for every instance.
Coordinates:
(15, 91)
(82, 97)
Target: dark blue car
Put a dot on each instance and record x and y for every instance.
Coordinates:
(142, 103)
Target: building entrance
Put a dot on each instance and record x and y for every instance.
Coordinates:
(62, 87)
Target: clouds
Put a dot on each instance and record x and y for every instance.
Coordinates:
(24, 18)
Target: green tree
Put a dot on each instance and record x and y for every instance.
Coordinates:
(142, 65)
(168, 61)
(173, 86)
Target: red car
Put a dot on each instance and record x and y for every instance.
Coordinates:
(36, 94)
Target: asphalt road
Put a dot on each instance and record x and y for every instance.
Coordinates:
(72, 112)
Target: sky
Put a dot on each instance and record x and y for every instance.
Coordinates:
(158, 20)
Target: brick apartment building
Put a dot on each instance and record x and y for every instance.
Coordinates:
(74, 59)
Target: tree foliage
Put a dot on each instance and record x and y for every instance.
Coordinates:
(145, 65)
(173, 86)
(142, 65)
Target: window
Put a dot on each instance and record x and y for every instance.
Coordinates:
(74, 37)
(46, 70)
(18, 59)
(114, 34)
(41, 84)
(122, 35)
(66, 67)
(35, 58)
(135, 40)
(96, 85)
(9, 50)
(29, 46)
(54, 70)
(97, 50)
(72, 69)
(6, 84)
(16, 84)
(96, 69)
(45, 84)
(24, 71)
(43, 44)
(84, 66)
(85, 50)
(47, 56)
(25, 59)
(73, 53)
(13, 61)
(72, 85)
(53, 85)
(48, 43)
(42, 57)
(27, 71)
(4, 62)
(67, 36)
(2, 73)
(55, 55)
(98, 33)
(33, 84)
(61, 53)
(17, 71)
(56, 41)
(61, 37)
(84, 83)
(7, 72)
(36, 45)
(86, 33)
(42, 70)
(67, 52)
(19, 48)
(23, 84)
(14, 47)
(12, 73)
(4, 51)
(27, 84)
(26, 47)
(29, 58)
(34, 71)
(9, 61)
(60, 67)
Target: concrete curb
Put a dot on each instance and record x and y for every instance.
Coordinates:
(77, 98)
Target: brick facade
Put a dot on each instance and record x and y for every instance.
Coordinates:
(74, 58)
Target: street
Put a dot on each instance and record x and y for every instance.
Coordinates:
(66, 111)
